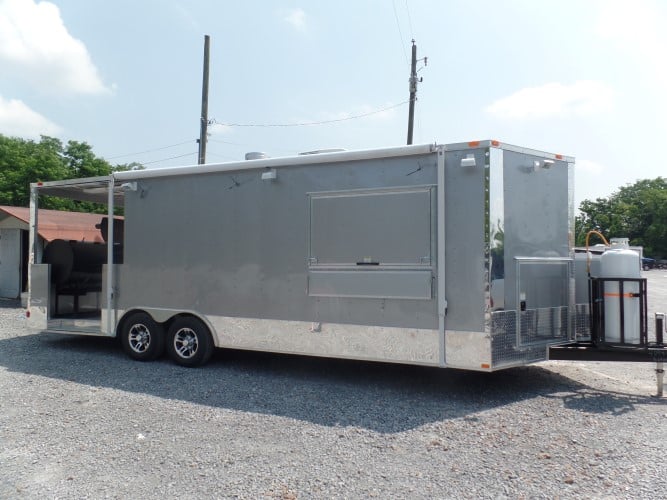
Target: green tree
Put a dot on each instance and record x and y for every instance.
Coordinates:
(125, 167)
(23, 161)
(637, 211)
(82, 162)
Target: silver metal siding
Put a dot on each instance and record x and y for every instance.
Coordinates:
(466, 278)
(536, 215)
(230, 243)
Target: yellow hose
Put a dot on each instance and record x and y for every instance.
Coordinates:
(588, 255)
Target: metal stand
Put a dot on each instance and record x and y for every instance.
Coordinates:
(599, 350)
(597, 299)
(659, 368)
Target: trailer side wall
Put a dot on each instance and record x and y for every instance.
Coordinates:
(237, 249)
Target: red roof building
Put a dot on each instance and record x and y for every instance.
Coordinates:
(51, 225)
(55, 224)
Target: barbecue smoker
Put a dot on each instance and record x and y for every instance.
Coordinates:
(76, 268)
(456, 255)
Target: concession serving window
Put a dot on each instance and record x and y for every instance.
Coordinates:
(376, 243)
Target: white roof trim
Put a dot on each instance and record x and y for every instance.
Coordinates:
(285, 161)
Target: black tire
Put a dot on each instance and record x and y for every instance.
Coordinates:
(142, 337)
(189, 342)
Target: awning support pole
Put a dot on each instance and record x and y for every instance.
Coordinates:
(32, 241)
(110, 261)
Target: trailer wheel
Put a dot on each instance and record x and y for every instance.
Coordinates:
(142, 337)
(189, 342)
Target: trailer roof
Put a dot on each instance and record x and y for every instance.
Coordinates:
(95, 189)
(283, 161)
(492, 143)
(331, 157)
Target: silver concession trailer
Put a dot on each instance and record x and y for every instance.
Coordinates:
(457, 255)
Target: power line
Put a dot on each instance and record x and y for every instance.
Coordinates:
(305, 124)
(150, 150)
(170, 158)
(398, 25)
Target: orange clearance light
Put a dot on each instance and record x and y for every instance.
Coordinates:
(485, 365)
(559, 157)
(495, 143)
(473, 144)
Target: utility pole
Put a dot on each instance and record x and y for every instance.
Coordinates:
(203, 132)
(413, 90)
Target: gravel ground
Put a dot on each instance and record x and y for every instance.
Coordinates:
(80, 420)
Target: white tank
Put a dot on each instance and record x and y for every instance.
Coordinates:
(582, 262)
(621, 262)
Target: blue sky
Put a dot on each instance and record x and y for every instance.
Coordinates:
(582, 78)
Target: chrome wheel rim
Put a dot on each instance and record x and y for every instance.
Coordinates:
(139, 338)
(186, 343)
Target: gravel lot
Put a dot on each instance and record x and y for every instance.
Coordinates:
(80, 420)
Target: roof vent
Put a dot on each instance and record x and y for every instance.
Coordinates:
(256, 155)
(320, 151)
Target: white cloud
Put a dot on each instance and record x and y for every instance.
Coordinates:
(555, 100)
(36, 46)
(297, 18)
(588, 166)
(18, 120)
